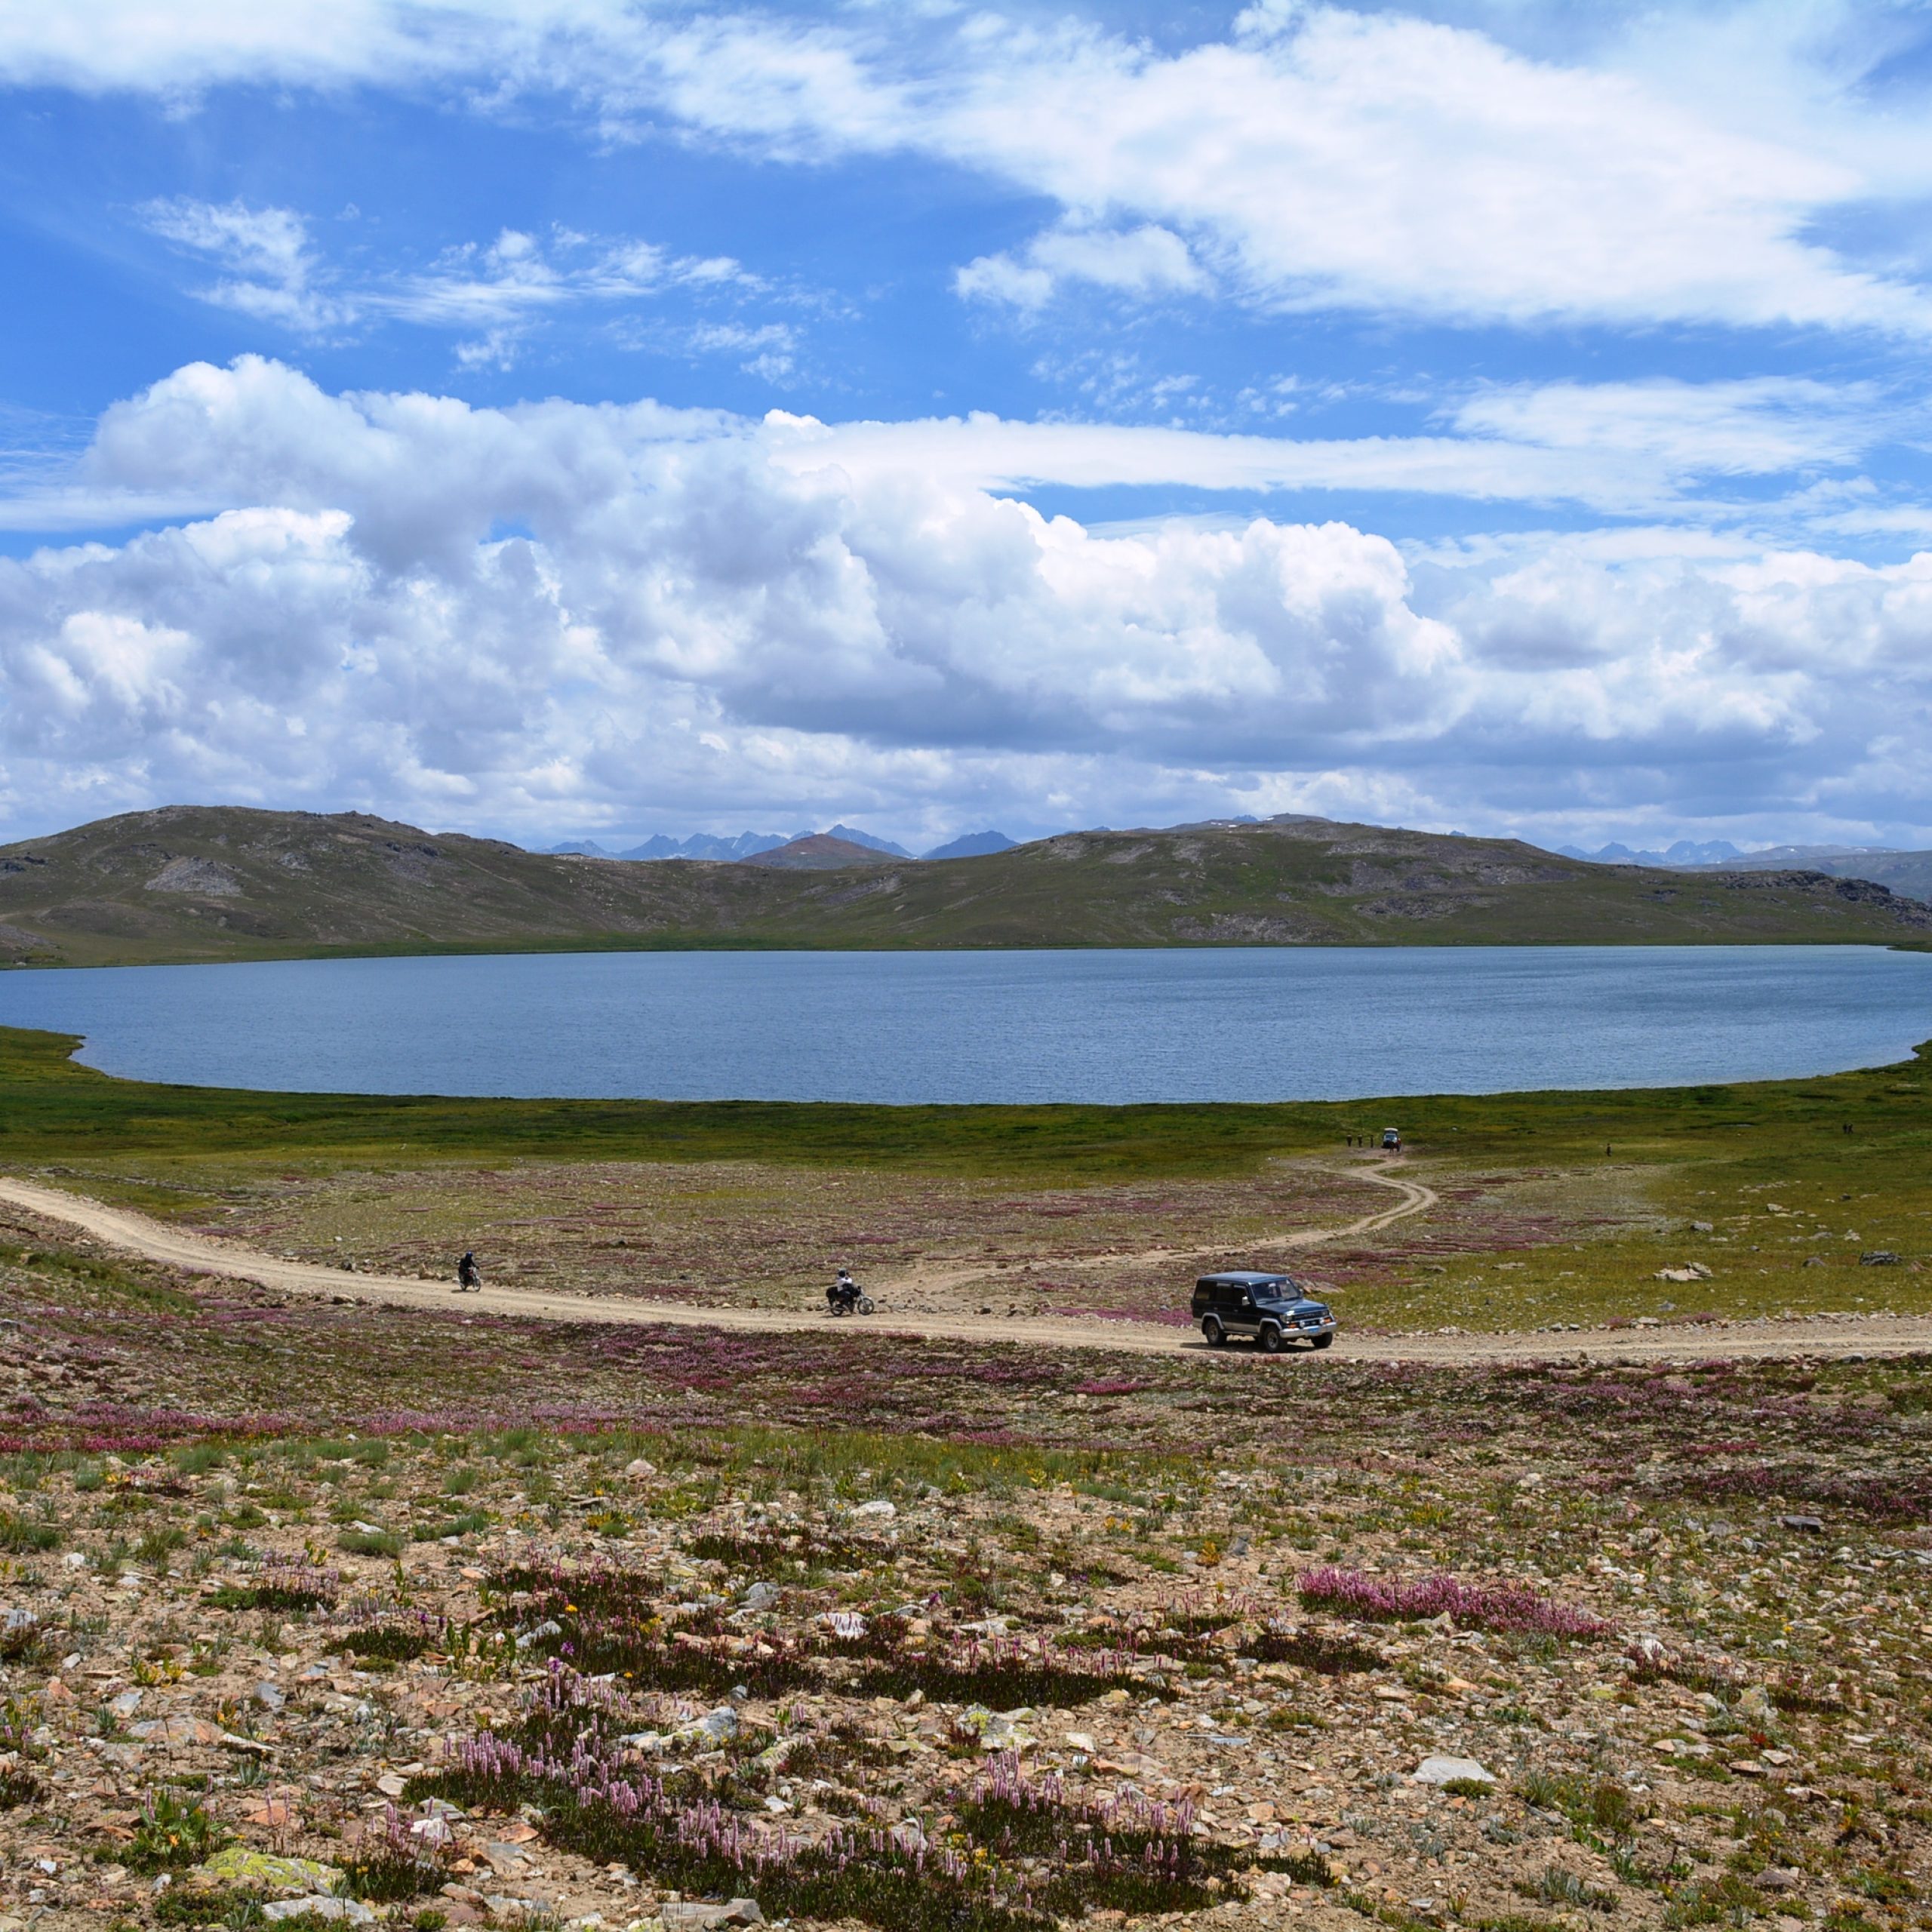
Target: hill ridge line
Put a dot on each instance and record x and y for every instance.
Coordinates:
(187, 883)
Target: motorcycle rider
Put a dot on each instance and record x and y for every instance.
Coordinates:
(468, 1276)
(843, 1294)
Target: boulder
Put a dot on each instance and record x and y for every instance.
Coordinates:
(697, 1915)
(1451, 1771)
(238, 1865)
(321, 1904)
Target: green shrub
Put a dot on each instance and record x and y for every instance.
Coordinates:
(371, 1542)
(1305, 1868)
(468, 1524)
(159, 1545)
(20, 1536)
(391, 1643)
(174, 1832)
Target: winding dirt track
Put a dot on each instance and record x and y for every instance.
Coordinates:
(1886, 1335)
(1416, 1199)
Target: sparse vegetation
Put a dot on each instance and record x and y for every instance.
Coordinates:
(1159, 1643)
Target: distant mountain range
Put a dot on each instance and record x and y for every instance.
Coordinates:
(188, 882)
(1909, 874)
(1721, 852)
(753, 844)
(699, 845)
(1715, 852)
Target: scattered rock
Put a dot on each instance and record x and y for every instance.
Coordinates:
(205, 878)
(717, 1726)
(239, 1866)
(1811, 1525)
(694, 1916)
(1878, 1257)
(176, 1729)
(321, 1904)
(996, 1730)
(879, 1507)
(1451, 1771)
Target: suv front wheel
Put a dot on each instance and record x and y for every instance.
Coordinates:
(1271, 1338)
(1215, 1333)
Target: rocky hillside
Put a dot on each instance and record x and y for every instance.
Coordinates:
(190, 882)
(193, 882)
(1908, 873)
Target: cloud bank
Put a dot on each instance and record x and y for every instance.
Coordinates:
(1315, 159)
(566, 613)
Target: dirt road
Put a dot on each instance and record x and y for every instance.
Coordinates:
(1415, 1199)
(203, 1254)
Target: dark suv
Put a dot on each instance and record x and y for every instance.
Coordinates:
(1273, 1309)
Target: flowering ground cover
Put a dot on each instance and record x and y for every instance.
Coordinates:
(327, 1610)
(340, 1609)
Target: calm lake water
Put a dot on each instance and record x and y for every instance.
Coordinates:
(1264, 1024)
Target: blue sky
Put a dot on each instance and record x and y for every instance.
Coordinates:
(587, 417)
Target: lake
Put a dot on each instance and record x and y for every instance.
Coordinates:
(1260, 1024)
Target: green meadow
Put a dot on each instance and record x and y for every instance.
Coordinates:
(1556, 1206)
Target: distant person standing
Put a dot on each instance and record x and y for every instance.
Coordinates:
(468, 1275)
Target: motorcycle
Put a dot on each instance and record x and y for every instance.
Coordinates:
(848, 1298)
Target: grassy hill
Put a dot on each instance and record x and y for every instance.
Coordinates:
(205, 883)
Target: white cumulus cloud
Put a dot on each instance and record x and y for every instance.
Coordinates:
(682, 620)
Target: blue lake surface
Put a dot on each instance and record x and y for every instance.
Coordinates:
(1260, 1024)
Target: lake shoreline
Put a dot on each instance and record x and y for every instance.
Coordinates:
(1119, 1027)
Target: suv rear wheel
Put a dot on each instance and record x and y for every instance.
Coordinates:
(1215, 1333)
(1271, 1338)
